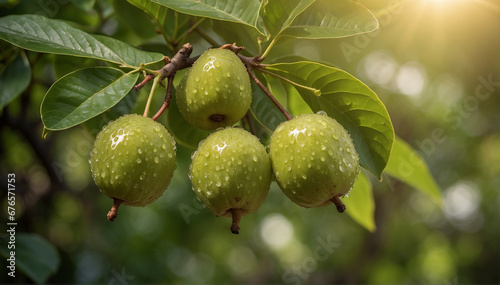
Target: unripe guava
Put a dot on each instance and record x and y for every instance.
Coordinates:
(132, 161)
(231, 173)
(314, 160)
(215, 91)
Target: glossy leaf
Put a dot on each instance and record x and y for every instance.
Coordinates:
(183, 132)
(244, 12)
(408, 166)
(84, 94)
(332, 19)
(350, 102)
(14, 79)
(41, 34)
(264, 109)
(34, 256)
(360, 204)
(279, 14)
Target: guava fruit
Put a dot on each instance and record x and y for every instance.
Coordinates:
(231, 173)
(314, 160)
(215, 91)
(132, 161)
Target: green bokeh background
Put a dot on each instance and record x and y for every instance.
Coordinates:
(427, 63)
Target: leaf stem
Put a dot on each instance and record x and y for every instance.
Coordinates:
(314, 90)
(268, 49)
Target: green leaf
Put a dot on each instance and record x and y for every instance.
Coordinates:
(14, 80)
(141, 25)
(350, 102)
(279, 14)
(84, 94)
(183, 132)
(244, 12)
(332, 19)
(34, 256)
(41, 34)
(85, 5)
(264, 110)
(360, 204)
(170, 23)
(408, 166)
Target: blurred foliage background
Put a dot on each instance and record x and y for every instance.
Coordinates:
(434, 63)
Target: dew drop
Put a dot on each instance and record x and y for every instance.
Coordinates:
(157, 160)
(164, 146)
(139, 151)
(139, 160)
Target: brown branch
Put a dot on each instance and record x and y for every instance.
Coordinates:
(269, 94)
(180, 61)
(232, 47)
(168, 96)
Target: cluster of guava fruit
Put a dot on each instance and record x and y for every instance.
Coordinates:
(312, 157)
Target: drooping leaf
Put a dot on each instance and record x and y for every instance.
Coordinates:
(41, 34)
(244, 12)
(34, 256)
(84, 94)
(332, 19)
(408, 166)
(264, 110)
(183, 132)
(360, 204)
(350, 102)
(14, 80)
(277, 15)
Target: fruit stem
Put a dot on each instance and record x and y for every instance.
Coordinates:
(151, 93)
(268, 93)
(340, 206)
(113, 213)
(168, 96)
(236, 215)
(248, 117)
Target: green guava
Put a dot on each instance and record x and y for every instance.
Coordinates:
(231, 173)
(215, 91)
(314, 160)
(132, 161)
